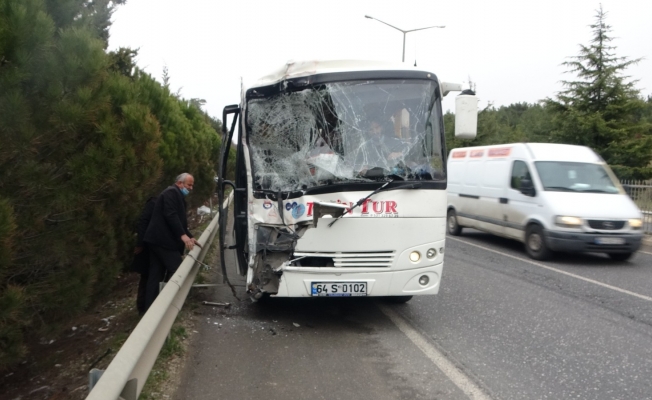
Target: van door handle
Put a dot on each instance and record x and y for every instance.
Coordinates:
(503, 200)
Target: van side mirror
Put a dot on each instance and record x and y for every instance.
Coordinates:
(527, 188)
(466, 115)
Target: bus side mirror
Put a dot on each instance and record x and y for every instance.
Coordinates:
(466, 115)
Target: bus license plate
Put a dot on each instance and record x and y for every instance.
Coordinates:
(341, 289)
(610, 240)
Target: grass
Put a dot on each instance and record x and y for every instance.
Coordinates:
(173, 347)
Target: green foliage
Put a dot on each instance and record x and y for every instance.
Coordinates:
(85, 139)
(188, 143)
(508, 124)
(601, 109)
(632, 173)
(91, 15)
(122, 61)
(68, 149)
(172, 347)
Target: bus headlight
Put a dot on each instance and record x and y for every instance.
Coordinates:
(568, 222)
(415, 256)
(431, 253)
(423, 280)
(636, 223)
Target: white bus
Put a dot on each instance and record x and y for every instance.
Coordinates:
(340, 179)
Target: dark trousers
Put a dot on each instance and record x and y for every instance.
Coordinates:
(141, 265)
(142, 291)
(161, 261)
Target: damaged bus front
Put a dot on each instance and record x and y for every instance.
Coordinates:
(340, 180)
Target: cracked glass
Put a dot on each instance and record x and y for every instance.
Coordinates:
(354, 131)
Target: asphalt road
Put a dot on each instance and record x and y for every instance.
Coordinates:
(502, 327)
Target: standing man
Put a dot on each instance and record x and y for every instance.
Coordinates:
(168, 234)
(141, 254)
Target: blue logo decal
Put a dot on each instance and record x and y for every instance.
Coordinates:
(288, 206)
(298, 211)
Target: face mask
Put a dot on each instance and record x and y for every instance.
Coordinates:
(185, 191)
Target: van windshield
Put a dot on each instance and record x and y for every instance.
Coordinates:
(354, 131)
(565, 176)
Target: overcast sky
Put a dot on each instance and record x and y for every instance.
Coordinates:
(512, 50)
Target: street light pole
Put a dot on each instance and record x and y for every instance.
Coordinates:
(403, 31)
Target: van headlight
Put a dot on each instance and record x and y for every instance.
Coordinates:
(636, 223)
(568, 222)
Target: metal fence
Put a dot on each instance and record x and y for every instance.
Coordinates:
(641, 193)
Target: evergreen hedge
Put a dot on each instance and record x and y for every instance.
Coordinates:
(82, 144)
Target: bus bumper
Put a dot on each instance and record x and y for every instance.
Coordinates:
(298, 282)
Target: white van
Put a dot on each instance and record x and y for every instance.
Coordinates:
(552, 197)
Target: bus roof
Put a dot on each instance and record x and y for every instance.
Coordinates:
(297, 69)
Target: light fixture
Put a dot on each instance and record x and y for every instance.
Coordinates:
(568, 222)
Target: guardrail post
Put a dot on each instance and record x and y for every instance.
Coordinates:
(130, 392)
(93, 377)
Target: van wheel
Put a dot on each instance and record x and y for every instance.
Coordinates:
(453, 227)
(535, 243)
(620, 256)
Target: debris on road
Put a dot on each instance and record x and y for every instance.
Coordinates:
(210, 303)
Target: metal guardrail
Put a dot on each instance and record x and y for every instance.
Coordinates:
(641, 193)
(128, 371)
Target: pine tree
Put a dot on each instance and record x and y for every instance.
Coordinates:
(602, 107)
(78, 154)
(84, 138)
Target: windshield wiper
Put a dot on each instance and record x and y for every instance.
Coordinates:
(599, 191)
(380, 189)
(560, 188)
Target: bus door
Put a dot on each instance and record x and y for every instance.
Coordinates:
(239, 186)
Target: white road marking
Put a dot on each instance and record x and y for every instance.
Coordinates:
(641, 251)
(463, 382)
(617, 289)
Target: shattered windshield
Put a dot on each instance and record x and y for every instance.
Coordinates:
(351, 131)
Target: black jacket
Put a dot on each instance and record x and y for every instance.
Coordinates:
(168, 221)
(140, 263)
(143, 221)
